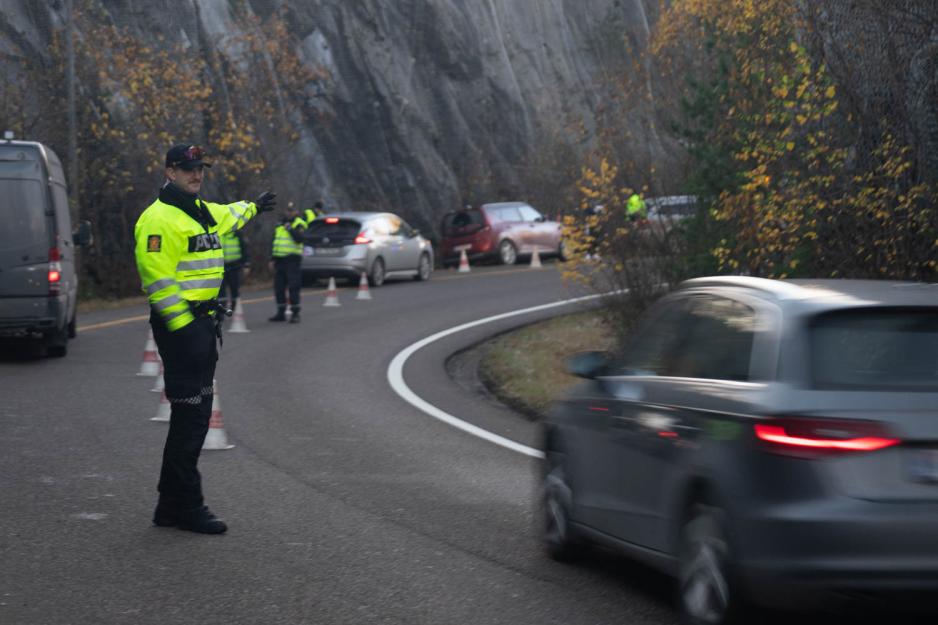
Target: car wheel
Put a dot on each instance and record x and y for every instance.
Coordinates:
(376, 275)
(73, 326)
(708, 595)
(57, 343)
(507, 253)
(560, 539)
(423, 268)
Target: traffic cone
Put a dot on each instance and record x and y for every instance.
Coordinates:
(216, 437)
(463, 261)
(332, 295)
(160, 383)
(363, 292)
(536, 260)
(151, 358)
(164, 410)
(237, 320)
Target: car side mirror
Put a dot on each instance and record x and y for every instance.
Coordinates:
(541, 218)
(83, 236)
(588, 365)
(414, 233)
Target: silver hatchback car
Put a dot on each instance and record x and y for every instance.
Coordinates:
(344, 245)
(761, 441)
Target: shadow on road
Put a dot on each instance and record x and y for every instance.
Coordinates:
(21, 349)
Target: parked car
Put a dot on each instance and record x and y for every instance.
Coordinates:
(759, 440)
(343, 245)
(501, 231)
(38, 281)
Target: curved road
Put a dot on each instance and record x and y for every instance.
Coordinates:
(345, 503)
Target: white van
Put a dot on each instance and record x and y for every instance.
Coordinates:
(38, 282)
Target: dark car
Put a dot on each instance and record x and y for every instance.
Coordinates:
(501, 231)
(759, 440)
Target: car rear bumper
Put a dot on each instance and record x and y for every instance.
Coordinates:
(841, 545)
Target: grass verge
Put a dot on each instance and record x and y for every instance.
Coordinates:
(525, 369)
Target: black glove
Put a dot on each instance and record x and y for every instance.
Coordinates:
(265, 202)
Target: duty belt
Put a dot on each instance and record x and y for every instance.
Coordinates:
(211, 308)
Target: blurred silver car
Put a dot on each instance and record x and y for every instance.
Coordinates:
(759, 440)
(344, 245)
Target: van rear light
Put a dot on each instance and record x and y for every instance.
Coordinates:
(55, 271)
(823, 435)
(362, 239)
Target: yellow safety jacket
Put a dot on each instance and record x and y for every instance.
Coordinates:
(284, 245)
(181, 260)
(231, 246)
(309, 215)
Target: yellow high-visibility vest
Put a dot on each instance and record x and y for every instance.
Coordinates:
(284, 245)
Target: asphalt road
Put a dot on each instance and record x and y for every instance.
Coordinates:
(345, 503)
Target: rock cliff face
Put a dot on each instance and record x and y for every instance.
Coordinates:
(424, 94)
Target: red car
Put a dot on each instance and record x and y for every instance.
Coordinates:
(502, 231)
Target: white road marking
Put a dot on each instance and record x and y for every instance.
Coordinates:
(396, 378)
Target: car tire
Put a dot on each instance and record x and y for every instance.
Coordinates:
(560, 538)
(376, 275)
(73, 326)
(507, 253)
(57, 343)
(708, 594)
(423, 268)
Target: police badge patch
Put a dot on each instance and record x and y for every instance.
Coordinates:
(154, 243)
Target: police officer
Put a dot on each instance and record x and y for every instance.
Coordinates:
(312, 213)
(237, 261)
(180, 260)
(287, 257)
(635, 208)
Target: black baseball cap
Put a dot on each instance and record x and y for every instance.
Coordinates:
(186, 156)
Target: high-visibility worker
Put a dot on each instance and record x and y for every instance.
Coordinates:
(635, 208)
(286, 257)
(237, 265)
(313, 213)
(180, 260)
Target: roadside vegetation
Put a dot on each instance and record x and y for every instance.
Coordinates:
(525, 369)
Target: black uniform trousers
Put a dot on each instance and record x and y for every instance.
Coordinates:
(189, 356)
(231, 283)
(288, 275)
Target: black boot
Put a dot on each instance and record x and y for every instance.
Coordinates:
(201, 520)
(281, 314)
(295, 314)
(165, 516)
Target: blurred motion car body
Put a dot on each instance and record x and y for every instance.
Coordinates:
(502, 231)
(759, 440)
(343, 245)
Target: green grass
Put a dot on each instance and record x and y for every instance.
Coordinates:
(526, 370)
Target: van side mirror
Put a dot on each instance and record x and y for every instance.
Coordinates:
(83, 236)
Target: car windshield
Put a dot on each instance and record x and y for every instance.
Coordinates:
(334, 229)
(22, 214)
(462, 222)
(875, 349)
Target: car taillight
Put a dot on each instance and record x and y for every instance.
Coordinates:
(801, 435)
(332, 220)
(362, 239)
(55, 271)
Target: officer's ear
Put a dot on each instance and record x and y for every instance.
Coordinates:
(171, 174)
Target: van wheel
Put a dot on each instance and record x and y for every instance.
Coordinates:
(73, 326)
(507, 253)
(57, 343)
(376, 275)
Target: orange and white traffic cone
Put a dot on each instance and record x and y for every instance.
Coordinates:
(160, 383)
(164, 410)
(332, 294)
(363, 292)
(151, 358)
(216, 437)
(536, 260)
(237, 320)
(463, 261)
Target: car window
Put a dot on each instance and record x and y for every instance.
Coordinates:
(718, 345)
(379, 226)
(22, 215)
(509, 213)
(528, 213)
(652, 348)
(332, 228)
(462, 222)
(396, 226)
(875, 349)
